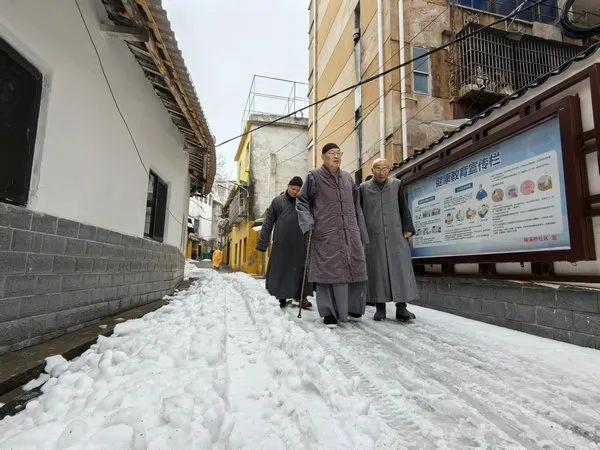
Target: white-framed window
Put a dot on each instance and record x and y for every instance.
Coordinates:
(421, 71)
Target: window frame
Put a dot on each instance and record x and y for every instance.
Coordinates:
(420, 71)
(37, 79)
(158, 224)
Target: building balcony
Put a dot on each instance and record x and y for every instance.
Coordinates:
(238, 206)
(495, 63)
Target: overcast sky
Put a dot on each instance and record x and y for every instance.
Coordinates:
(226, 42)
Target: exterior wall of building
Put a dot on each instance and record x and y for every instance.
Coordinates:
(86, 167)
(58, 275)
(278, 154)
(336, 69)
(201, 208)
(76, 251)
(243, 255)
(266, 163)
(427, 24)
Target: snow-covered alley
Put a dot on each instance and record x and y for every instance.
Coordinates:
(222, 366)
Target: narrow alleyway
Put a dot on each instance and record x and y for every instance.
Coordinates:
(222, 366)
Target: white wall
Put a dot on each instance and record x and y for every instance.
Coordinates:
(278, 153)
(201, 209)
(86, 167)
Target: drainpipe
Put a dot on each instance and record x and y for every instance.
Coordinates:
(381, 84)
(314, 92)
(401, 42)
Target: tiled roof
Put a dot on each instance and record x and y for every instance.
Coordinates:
(162, 63)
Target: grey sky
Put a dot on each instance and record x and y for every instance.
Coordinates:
(226, 42)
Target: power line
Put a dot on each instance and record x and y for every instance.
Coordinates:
(385, 72)
(344, 98)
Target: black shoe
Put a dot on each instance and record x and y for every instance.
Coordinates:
(355, 315)
(402, 313)
(330, 320)
(306, 304)
(282, 302)
(380, 312)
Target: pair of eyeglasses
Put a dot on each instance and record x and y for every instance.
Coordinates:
(331, 153)
(381, 169)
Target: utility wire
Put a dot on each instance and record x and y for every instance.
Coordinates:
(344, 98)
(385, 72)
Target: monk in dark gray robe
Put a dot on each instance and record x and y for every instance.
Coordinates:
(389, 224)
(288, 254)
(329, 205)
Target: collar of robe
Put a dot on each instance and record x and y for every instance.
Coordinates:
(379, 185)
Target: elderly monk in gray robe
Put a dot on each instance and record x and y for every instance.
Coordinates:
(286, 264)
(389, 224)
(329, 205)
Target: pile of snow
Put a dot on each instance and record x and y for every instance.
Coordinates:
(191, 270)
(176, 379)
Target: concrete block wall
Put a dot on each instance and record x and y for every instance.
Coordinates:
(57, 275)
(566, 314)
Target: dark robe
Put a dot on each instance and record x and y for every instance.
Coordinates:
(329, 206)
(286, 264)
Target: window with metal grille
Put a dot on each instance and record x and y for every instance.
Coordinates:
(156, 208)
(495, 62)
(20, 92)
(421, 71)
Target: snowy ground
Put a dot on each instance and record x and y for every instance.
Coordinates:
(222, 366)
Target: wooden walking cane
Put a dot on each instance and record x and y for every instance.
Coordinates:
(306, 263)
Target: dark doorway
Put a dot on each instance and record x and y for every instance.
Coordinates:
(156, 208)
(20, 92)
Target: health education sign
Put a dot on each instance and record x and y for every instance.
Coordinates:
(508, 198)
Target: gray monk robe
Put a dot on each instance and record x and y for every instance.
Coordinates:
(391, 276)
(330, 206)
(286, 264)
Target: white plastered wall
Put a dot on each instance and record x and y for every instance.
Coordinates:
(85, 166)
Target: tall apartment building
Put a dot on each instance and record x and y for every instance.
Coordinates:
(353, 40)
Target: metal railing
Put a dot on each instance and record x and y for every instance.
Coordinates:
(270, 95)
(500, 62)
(238, 208)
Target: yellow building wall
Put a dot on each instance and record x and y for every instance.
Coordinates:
(242, 157)
(192, 248)
(243, 256)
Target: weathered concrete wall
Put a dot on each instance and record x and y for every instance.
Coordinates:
(427, 23)
(278, 152)
(57, 275)
(566, 314)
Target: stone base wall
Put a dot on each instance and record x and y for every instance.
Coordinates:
(57, 275)
(566, 314)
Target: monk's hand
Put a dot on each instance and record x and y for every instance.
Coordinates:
(407, 234)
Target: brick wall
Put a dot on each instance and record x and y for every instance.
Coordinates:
(566, 314)
(57, 275)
